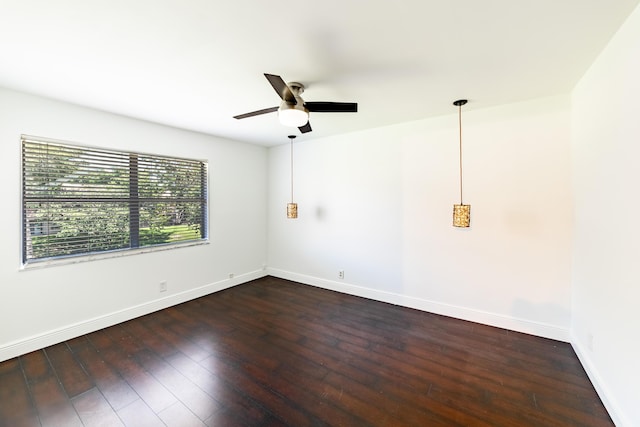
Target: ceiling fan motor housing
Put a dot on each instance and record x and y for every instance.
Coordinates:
(296, 88)
(290, 114)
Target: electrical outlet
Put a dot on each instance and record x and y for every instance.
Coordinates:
(162, 287)
(231, 275)
(341, 274)
(590, 341)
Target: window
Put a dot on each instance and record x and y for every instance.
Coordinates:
(80, 200)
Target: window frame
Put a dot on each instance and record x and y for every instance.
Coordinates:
(25, 224)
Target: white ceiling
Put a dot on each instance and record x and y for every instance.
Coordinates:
(194, 64)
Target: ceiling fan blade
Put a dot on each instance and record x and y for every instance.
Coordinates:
(306, 128)
(256, 113)
(281, 88)
(332, 107)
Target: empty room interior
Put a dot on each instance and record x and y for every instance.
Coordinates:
(353, 205)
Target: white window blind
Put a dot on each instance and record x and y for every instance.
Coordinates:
(80, 200)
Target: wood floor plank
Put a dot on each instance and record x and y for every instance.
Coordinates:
(178, 415)
(155, 395)
(10, 366)
(262, 394)
(68, 370)
(237, 403)
(145, 332)
(16, 406)
(188, 393)
(178, 340)
(114, 388)
(138, 414)
(117, 348)
(35, 366)
(94, 410)
(273, 352)
(53, 405)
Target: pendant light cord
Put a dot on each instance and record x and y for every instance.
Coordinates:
(460, 133)
(291, 139)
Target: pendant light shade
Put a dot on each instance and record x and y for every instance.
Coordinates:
(461, 215)
(292, 208)
(461, 212)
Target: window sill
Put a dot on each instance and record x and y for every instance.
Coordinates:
(76, 259)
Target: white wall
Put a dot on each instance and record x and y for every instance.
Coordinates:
(41, 306)
(606, 274)
(378, 205)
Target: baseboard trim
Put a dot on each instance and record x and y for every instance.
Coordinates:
(617, 416)
(55, 336)
(492, 319)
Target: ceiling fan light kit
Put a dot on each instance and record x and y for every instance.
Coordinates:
(461, 212)
(293, 110)
(293, 115)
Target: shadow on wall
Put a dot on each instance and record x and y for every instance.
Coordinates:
(321, 214)
(545, 314)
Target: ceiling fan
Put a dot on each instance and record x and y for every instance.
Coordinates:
(293, 110)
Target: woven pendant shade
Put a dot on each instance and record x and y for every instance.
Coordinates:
(292, 210)
(461, 215)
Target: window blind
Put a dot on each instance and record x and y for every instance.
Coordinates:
(81, 200)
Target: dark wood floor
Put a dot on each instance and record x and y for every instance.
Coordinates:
(276, 353)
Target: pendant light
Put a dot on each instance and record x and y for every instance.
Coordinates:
(292, 208)
(461, 212)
